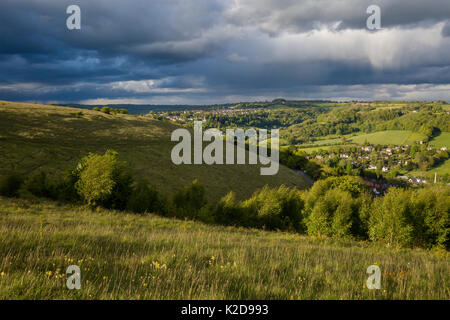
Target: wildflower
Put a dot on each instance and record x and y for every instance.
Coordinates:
(3, 274)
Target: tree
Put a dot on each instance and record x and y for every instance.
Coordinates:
(10, 185)
(279, 208)
(392, 219)
(332, 215)
(145, 199)
(190, 200)
(229, 211)
(103, 180)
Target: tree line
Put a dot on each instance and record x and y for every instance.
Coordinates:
(337, 207)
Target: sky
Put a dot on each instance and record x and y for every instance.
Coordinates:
(223, 51)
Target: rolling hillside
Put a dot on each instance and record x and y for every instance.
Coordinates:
(52, 138)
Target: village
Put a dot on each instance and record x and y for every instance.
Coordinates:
(388, 161)
(199, 115)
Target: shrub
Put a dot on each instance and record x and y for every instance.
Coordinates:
(278, 208)
(392, 220)
(338, 206)
(363, 204)
(104, 180)
(106, 110)
(40, 185)
(146, 199)
(229, 211)
(65, 187)
(355, 186)
(333, 215)
(190, 200)
(10, 185)
(431, 207)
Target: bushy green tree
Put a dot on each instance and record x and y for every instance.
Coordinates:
(146, 199)
(392, 219)
(332, 216)
(104, 180)
(432, 205)
(229, 211)
(10, 185)
(65, 187)
(190, 200)
(39, 185)
(354, 185)
(338, 207)
(277, 208)
(106, 110)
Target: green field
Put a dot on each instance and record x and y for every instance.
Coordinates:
(127, 256)
(312, 149)
(34, 137)
(389, 137)
(443, 168)
(442, 140)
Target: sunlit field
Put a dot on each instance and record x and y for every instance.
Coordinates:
(129, 256)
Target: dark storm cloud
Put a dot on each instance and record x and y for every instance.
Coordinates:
(214, 50)
(275, 16)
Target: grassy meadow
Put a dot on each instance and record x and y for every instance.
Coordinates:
(394, 137)
(42, 137)
(442, 140)
(129, 256)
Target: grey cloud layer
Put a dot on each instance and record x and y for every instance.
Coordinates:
(212, 50)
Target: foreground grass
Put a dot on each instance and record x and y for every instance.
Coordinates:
(125, 256)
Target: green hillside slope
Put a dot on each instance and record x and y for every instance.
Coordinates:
(34, 137)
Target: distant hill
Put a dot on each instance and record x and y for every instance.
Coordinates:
(140, 109)
(34, 137)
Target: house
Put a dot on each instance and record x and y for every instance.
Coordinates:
(367, 149)
(384, 169)
(372, 167)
